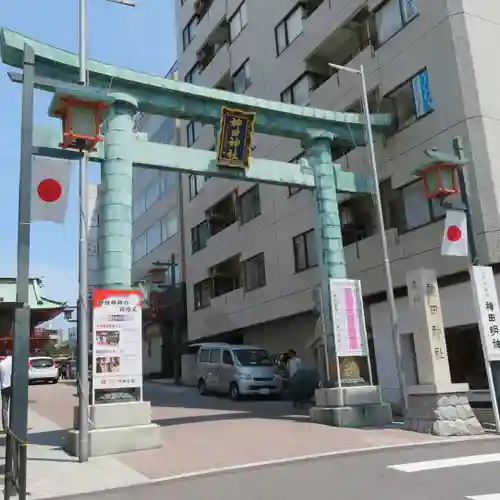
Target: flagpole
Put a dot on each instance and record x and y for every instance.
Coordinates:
(83, 318)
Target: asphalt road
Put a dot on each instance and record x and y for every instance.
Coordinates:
(347, 477)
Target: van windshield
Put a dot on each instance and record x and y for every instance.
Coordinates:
(253, 357)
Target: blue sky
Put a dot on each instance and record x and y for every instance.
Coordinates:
(141, 38)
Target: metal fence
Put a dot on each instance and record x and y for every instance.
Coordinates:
(15, 466)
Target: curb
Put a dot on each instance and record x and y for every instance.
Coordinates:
(319, 456)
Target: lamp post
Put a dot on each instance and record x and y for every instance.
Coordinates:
(83, 320)
(381, 227)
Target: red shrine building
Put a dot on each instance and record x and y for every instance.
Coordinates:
(42, 310)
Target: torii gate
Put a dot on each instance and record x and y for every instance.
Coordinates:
(122, 149)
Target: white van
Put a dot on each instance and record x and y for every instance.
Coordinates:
(236, 370)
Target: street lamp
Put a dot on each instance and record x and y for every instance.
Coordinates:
(83, 319)
(381, 227)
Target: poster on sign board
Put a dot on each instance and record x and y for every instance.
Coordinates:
(487, 310)
(117, 339)
(348, 318)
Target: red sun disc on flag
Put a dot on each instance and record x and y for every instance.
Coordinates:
(49, 190)
(454, 233)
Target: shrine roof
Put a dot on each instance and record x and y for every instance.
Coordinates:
(8, 289)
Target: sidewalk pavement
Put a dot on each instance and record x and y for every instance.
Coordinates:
(53, 473)
(199, 434)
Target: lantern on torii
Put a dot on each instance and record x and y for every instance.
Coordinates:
(82, 113)
(440, 175)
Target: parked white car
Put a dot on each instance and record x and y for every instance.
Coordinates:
(43, 369)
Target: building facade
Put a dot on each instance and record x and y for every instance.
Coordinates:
(251, 266)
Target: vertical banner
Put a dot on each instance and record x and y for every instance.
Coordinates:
(348, 318)
(117, 339)
(487, 310)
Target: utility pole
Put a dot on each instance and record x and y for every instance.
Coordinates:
(83, 318)
(393, 311)
(17, 433)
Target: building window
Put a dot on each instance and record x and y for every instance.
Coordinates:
(193, 75)
(410, 101)
(250, 204)
(189, 32)
(199, 236)
(392, 17)
(138, 205)
(254, 271)
(153, 237)
(304, 251)
(238, 21)
(241, 79)
(152, 192)
(289, 29)
(166, 133)
(193, 131)
(292, 189)
(169, 225)
(298, 91)
(202, 291)
(168, 180)
(417, 209)
(139, 248)
(196, 183)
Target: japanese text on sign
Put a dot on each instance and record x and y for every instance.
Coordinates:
(487, 309)
(235, 138)
(428, 327)
(117, 339)
(348, 318)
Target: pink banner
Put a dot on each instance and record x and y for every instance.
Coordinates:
(351, 317)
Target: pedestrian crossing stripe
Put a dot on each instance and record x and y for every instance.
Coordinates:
(448, 462)
(492, 496)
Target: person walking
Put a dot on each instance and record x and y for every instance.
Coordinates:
(6, 388)
(294, 365)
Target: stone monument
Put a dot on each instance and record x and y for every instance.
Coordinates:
(435, 405)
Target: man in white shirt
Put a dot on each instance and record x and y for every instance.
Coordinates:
(6, 388)
(294, 363)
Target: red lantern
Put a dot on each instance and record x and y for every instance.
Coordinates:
(440, 175)
(81, 114)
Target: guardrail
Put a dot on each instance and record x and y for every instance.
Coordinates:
(16, 458)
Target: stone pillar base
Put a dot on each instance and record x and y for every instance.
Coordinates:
(116, 428)
(360, 406)
(441, 410)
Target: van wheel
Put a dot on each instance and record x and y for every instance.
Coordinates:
(54, 381)
(202, 387)
(234, 391)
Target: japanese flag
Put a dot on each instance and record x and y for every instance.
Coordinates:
(49, 189)
(455, 234)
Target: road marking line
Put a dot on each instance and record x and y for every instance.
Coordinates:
(493, 496)
(315, 456)
(447, 462)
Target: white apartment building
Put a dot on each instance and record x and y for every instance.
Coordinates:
(251, 266)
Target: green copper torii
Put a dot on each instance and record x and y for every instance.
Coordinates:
(56, 71)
